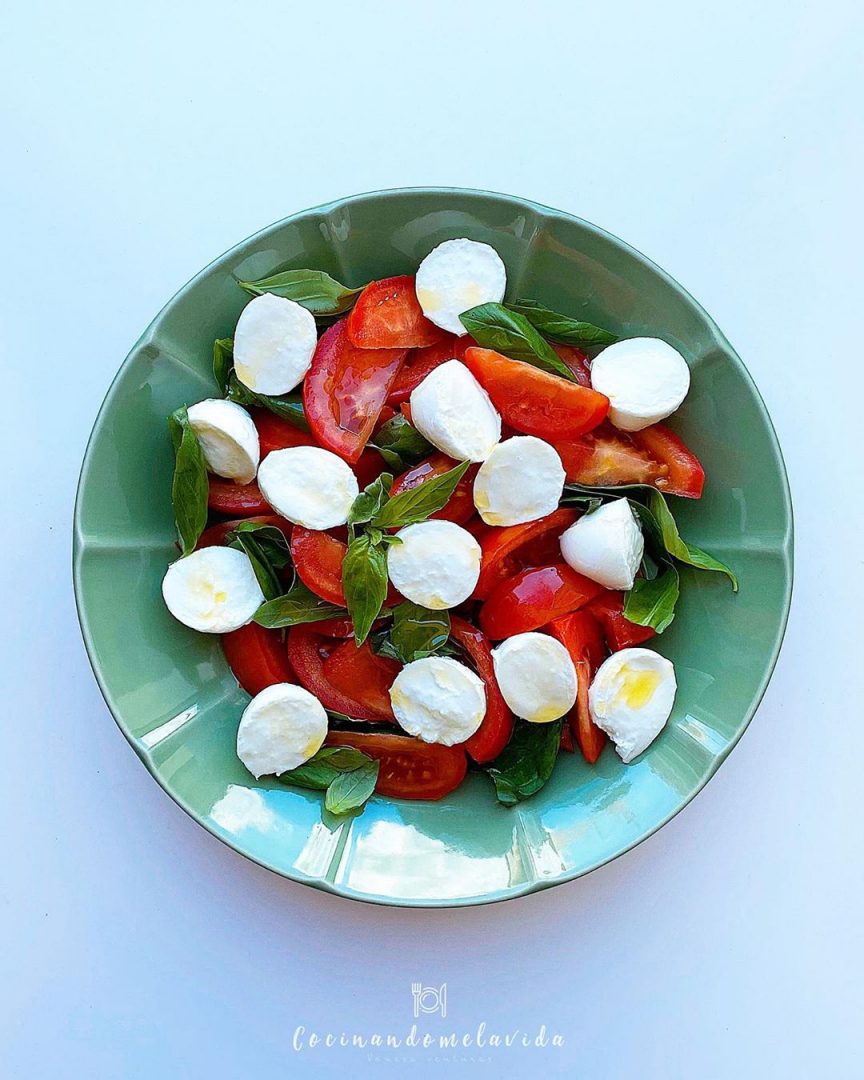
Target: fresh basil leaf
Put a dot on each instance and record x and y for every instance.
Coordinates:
(650, 569)
(420, 502)
(320, 771)
(223, 361)
(190, 485)
(364, 582)
(288, 406)
(268, 551)
(561, 327)
(315, 290)
(652, 603)
(589, 503)
(418, 632)
(400, 444)
(298, 605)
(526, 763)
(494, 327)
(680, 549)
(351, 789)
(370, 500)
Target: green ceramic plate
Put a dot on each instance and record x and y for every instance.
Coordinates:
(178, 704)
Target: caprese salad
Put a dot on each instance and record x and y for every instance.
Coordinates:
(432, 529)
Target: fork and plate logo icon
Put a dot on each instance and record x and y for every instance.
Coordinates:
(429, 999)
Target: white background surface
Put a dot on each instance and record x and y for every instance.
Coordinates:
(139, 141)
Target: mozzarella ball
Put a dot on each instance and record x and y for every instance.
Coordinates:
(631, 698)
(280, 728)
(522, 479)
(228, 438)
(456, 276)
(606, 545)
(453, 411)
(439, 700)
(273, 344)
(213, 590)
(436, 565)
(536, 677)
(308, 486)
(645, 380)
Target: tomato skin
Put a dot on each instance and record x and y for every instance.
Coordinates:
(685, 475)
(620, 633)
(534, 597)
(274, 433)
(308, 651)
(410, 768)
(361, 674)
(494, 733)
(387, 315)
(607, 456)
(514, 547)
(345, 390)
(577, 361)
(318, 558)
(369, 467)
(215, 534)
(582, 637)
(533, 401)
(420, 362)
(257, 657)
(460, 506)
(226, 497)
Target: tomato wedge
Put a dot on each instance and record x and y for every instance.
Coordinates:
(257, 657)
(226, 497)
(533, 598)
(494, 733)
(514, 547)
(369, 467)
(345, 390)
(215, 535)
(307, 653)
(460, 506)
(318, 559)
(685, 475)
(577, 361)
(620, 633)
(363, 675)
(607, 456)
(274, 433)
(410, 768)
(581, 636)
(420, 362)
(533, 401)
(387, 315)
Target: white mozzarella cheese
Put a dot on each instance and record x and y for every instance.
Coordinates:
(606, 546)
(280, 728)
(436, 565)
(456, 276)
(273, 344)
(453, 411)
(213, 590)
(439, 700)
(228, 438)
(536, 677)
(521, 480)
(645, 380)
(631, 698)
(308, 485)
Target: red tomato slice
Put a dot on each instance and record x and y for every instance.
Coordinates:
(567, 744)
(460, 506)
(387, 315)
(361, 674)
(533, 401)
(581, 636)
(215, 535)
(577, 361)
(607, 456)
(685, 475)
(274, 433)
(420, 362)
(514, 547)
(494, 733)
(369, 467)
(620, 633)
(226, 497)
(345, 390)
(533, 598)
(307, 653)
(410, 768)
(318, 559)
(257, 657)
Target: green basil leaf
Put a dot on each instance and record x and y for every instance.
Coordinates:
(288, 406)
(268, 551)
(494, 327)
(298, 605)
(400, 444)
(420, 502)
(223, 361)
(320, 771)
(190, 485)
(351, 789)
(370, 500)
(526, 763)
(315, 290)
(652, 603)
(562, 328)
(680, 549)
(364, 582)
(418, 632)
